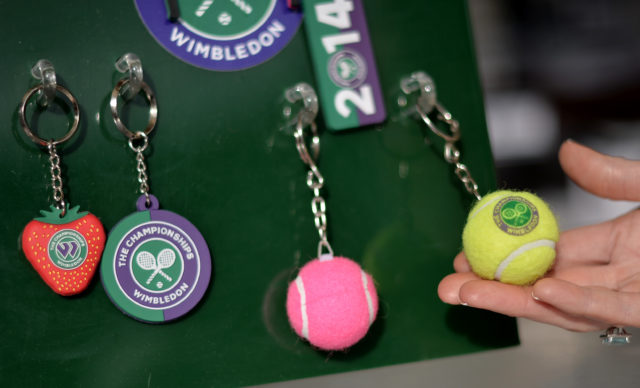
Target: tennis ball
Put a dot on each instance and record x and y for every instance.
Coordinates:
(332, 302)
(510, 236)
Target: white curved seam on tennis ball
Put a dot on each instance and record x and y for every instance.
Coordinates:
(303, 308)
(497, 198)
(367, 294)
(522, 249)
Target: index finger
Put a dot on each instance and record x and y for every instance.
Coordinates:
(603, 175)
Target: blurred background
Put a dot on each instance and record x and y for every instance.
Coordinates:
(551, 70)
(558, 69)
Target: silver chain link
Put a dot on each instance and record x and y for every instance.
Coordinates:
(56, 178)
(451, 152)
(452, 156)
(315, 181)
(319, 210)
(141, 167)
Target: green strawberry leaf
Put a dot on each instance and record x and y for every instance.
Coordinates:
(55, 217)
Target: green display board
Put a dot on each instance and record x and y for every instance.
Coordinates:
(220, 158)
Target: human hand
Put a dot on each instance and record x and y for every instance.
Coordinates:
(595, 282)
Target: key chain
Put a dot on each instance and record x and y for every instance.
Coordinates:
(332, 302)
(156, 265)
(64, 245)
(509, 236)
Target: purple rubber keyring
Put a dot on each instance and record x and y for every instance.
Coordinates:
(157, 266)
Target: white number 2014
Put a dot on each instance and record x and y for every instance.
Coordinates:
(337, 14)
(363, 101)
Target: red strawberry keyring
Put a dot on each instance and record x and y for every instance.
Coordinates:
(64, 245)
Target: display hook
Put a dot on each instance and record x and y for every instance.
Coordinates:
(131, 64)
(305, 117)
(44, 71)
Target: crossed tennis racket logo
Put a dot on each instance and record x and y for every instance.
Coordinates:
(516, 215)
(147, 261)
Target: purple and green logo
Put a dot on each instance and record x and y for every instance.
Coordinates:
(67, 249)
(515, 215)
(223, 35)
(156, 266)
(347, 69)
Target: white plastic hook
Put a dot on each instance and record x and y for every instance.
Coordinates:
(305, 93)
(420, 81)
(130, 63)
(45, 72)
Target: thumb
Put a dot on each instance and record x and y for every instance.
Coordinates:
(603, 175)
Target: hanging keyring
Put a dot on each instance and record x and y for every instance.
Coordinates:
(301, 145)
(25, 126)
(48, 78)
(444, 116)
(153, 109)
(181, 261)
(315, 181)
(64, 245)
(426, 104)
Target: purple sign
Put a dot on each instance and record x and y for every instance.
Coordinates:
(221, 35)
(344, 65)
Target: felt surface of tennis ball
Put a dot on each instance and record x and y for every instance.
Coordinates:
(332, 302)
(510, 236)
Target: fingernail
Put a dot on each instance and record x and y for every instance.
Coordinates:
(464, 304)
(535, 297)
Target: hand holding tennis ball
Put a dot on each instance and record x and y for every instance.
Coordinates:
(595, 281)
(510, 236)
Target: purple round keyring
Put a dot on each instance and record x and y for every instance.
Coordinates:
(156, 265)
(222, 35)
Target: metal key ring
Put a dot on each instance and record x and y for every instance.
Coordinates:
(446, 117)
(153, 109)
(25, 126)
(301, 145)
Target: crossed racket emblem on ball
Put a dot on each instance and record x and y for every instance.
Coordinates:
(516, 215)
(166, 258)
